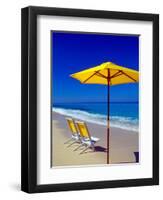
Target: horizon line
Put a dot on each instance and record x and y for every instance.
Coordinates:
(96, 102)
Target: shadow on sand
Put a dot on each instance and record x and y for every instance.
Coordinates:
(97, 149)
(100, 149)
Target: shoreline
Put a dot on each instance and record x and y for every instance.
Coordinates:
(121, 122)
(123, 144)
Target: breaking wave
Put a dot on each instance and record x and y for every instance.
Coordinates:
(126, 123)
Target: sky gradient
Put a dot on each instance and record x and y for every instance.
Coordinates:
(73, 52)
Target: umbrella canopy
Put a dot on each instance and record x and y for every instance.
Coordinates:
(109, 74)
(99, 75)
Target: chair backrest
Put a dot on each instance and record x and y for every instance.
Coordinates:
(71, 125)
(82, 127)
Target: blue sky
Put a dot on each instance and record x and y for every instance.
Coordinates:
(73, 52)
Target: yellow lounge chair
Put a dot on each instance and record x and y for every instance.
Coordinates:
(75, 137)
(86, 139)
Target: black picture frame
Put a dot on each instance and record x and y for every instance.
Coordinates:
(29, 98)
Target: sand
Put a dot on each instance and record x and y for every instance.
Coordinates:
(123, 144)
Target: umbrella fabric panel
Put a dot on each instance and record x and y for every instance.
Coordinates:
(107, 71)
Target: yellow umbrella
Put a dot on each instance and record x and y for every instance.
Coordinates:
(107, 73)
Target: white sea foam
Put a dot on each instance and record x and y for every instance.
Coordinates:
(126, 123)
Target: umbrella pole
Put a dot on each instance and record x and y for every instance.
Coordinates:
(108, 117)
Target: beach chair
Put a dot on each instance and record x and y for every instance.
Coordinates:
(87, 140)
(75, 137)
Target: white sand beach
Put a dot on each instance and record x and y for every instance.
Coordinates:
(123, 144)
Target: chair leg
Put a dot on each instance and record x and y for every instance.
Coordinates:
(85, 149)
(93, 147)
(72, 143)
(78, 147)
(68, 141)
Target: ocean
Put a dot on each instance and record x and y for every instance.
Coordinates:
(122, 115)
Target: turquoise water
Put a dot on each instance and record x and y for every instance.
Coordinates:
(122, 115)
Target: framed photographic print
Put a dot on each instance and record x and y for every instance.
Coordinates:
(90, 99)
